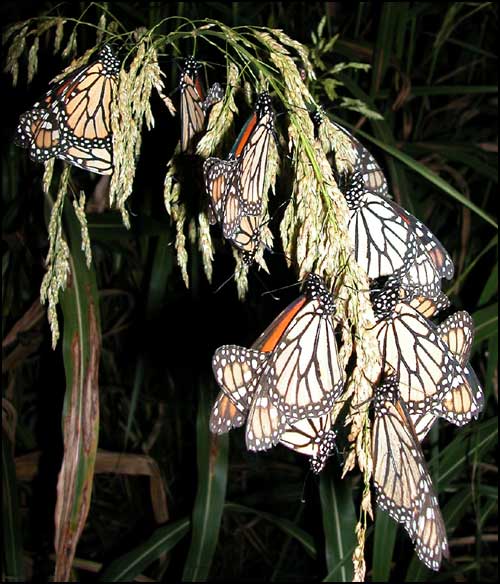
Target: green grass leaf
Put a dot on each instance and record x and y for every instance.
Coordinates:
(432, 177)
(384, 540)
(486, 323)
(287, 526)
(339, 523)
(129, 566)
(474, 440)
(212, 453)
(12, 547)
(80, 417)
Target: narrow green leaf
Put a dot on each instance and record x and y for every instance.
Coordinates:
(12, 548)
(383, 47)
(490, 288)
(467, 154)
(468, 269)
(385, 141)
(288, 527)
(383, 546)
(448, 90)
(129, 566)
(472, 441)
(492, 366)
(339, 523)
(80, 418)
(490, 507)
(486, 323)
(161, 270)
(212, 453)
(431, 177)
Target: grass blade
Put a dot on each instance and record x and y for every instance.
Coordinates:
(383, 546)
(129, 566)
(212, 453)
(474, 441)
(431, 177)
(81, 353)
(12, 548)
(486, 323)
(339, 523)
(288, 527)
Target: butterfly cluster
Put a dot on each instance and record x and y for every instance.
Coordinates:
(426, 373)
(287, 383)
(285, 386)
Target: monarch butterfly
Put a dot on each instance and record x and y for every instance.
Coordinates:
(386, 238)
(402, 483)
(73, 120)
(236, 186)
(426, 369)
(465, 400)
(292, 371)
(373, 177)
(194, 104)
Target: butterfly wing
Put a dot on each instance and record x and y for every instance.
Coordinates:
(253, 148)
(383, 242)
(303, 376)
(429, 307)
(265, 424)
(424, 365)
(464, 401)
(39, 131)
(402, 483)
(226, 414)
(219, 178)
(372, 176)
(237, 371)
(429, 243)
(457, 331)
(73, 121)
(215, 94)
(312, 437)
(247, 237)
(192, 113)
(422, 278)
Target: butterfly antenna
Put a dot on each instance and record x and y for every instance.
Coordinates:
(219, 288)
(303, 495)
(280, 288)
(267, 291)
